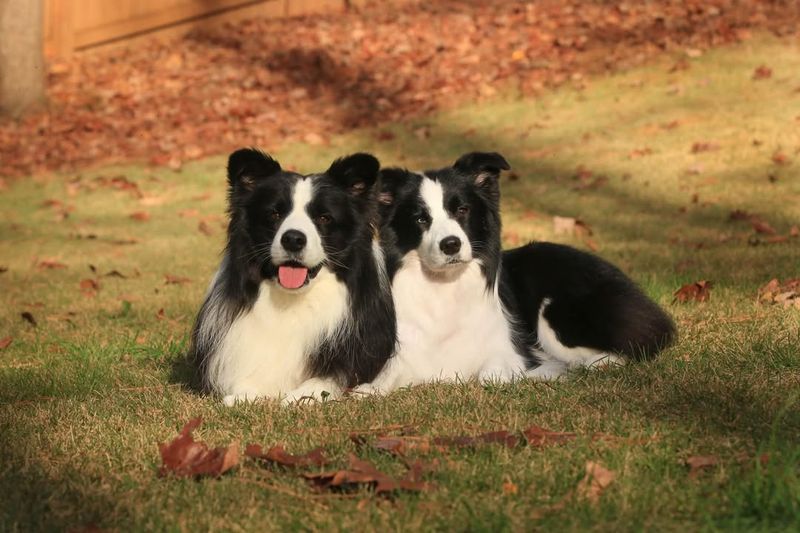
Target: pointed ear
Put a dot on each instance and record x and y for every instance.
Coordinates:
(484, 166)
(392, 179)
(356, 173)
(249, 165)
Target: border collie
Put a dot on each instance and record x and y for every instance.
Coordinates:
(465, 309)
(300, 306)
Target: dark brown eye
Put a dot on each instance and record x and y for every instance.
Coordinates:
(324, 220)
(422, 219)
(463, 210)
(274, 215)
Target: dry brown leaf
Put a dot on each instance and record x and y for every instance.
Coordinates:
(183, 457)
(401, 445)
(761, 226)
(169, 279)
(786, 294)
(50, 264)
(140, 216)
(510, 488)
(5, 342)
(188, 213)
(698, 463)
(89, 287)
(779, 158)
(360, 472)
(540, 437)
(204, 228)
(279, 456)
(704, 146)
(595, 482)
(762, 72)
(699, 291)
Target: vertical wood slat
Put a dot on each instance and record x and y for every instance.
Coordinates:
(58, 28)
(72, 25)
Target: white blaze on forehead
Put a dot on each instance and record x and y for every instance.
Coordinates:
(298, 219)
(442, 226)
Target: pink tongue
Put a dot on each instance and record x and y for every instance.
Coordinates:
(292, 277)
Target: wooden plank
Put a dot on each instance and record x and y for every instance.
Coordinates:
(295, 8)
(262, 9)
(128, 18)
(58, 28)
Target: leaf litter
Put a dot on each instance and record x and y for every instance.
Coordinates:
(331, 73)
(184, 457)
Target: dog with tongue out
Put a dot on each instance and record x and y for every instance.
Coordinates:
(300, 307)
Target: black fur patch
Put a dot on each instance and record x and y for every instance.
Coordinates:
(593, 304)
(259, 196)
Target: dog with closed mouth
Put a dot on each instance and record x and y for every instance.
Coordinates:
(300, 306)
(466, 309)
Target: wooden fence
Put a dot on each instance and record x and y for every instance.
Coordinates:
(76, 25)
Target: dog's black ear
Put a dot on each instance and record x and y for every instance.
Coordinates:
(482, 165)
(356, 173)
(392, 179)
(249, 165)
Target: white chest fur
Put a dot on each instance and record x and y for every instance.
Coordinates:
(264, 353)
(448, 328)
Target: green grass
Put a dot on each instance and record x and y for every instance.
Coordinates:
(86, 396)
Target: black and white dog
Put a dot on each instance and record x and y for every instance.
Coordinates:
(465, 309)
(301, 304)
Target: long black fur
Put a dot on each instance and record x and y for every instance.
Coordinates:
(257, 187)
(593, 304)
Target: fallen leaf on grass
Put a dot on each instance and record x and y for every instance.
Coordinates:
(385, 135)
(401, 445)
(510, 488)
(169, 279)
(761, 226)
(279, 456)
(188, 213)
(699, 147)
(779, 158)
(503, 437)
(115, 274)
(3, 269)
(183, 457)
(762, 72)
(89, 287)
(50, 264)
(539, 436)
(360, 472)
(140, 216)
(595, 482)
(5, 342)
(698, 463)
(639, 152)
(28, 317)
(204, 228)
(786, 294)
(699, 291)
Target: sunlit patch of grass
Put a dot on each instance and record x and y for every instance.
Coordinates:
(87, 394)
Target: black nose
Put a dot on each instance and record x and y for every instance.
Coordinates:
(450, 245)
(293, 240)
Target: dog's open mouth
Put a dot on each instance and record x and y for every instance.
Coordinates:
(294, 275)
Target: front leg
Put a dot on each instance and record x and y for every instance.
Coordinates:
(384, 382)
(314, 390)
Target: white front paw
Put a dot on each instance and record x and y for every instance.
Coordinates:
(232, 399)
(311, 391)
(364, 390)
(547, 371)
